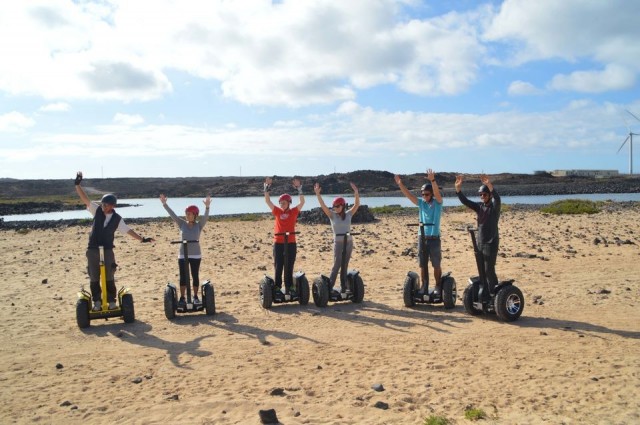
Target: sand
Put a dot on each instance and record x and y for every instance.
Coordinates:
(572, 358)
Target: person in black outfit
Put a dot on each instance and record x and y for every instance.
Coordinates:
(105, 223)
(488, 212)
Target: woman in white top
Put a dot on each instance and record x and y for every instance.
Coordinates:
(340, 219)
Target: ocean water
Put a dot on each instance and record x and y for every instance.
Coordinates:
(151, 207)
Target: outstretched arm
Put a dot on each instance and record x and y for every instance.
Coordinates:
(413, 198)
(267, 192)
(80, 191)
(356, 202)
(173, 215)
(431, 176)
(316, 189)
(298, 185)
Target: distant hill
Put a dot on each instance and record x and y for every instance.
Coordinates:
(370, 183)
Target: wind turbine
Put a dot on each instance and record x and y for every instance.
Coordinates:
(630, 139)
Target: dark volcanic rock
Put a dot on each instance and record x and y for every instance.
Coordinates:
(317, 216)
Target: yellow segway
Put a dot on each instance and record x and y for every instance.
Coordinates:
(85, 314)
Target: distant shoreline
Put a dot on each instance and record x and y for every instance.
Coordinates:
(63, 223)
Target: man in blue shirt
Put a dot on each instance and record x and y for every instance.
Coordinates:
(430, 207)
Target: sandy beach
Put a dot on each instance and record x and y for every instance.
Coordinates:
(572, 358)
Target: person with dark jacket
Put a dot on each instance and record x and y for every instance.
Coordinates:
(105, 223)
(488, 214)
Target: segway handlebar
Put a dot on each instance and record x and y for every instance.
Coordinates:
(286, 233)
(346, 234)
(185, 241)
(420, 224)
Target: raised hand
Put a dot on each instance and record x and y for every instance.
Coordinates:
(353, 186)
(163, 198)
(458, 183)
(207, 201)
(316, 188)
(431, 176)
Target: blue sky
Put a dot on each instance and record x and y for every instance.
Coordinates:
(163, 88)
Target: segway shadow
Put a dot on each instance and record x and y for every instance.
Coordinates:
(270, 295)
(350, 289)
(505, 299)
(171, 305)
(85, 314)
(412, 291)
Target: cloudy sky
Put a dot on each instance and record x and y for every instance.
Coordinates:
(133, 88)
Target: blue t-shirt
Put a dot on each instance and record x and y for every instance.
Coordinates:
(430, 213)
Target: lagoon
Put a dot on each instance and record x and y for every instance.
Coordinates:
(151, 207)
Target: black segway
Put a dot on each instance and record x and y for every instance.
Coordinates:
(269, 294)
(171, 306)
(85, 314)
(351, 284)
(505, 299)
(413, 293)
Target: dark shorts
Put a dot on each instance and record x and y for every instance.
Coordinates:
(434, 253)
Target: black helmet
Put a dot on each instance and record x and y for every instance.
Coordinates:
(484, 189)
(427, 186)
(109, 199)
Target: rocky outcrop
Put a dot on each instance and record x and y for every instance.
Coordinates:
(317, 216)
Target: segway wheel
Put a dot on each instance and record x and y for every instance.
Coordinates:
(209, 300)
(467, 301)
(449, 292)
(509, 303)
(266, 294)
(358, 289)
(407, 291)
(128, 312)
(320, 292)
(303, 287)
(82, 313)
(169, 302)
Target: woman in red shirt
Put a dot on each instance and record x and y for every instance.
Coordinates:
(285, 221)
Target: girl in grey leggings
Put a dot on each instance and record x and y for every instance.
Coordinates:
(340, 223)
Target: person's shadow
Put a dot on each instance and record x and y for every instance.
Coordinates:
(229, 323)
(394, 318)
(138, 333)
(571, 326)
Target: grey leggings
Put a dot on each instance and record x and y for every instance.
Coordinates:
(337, 260)
(93, 267)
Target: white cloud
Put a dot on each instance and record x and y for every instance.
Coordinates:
(613, 77)
(56, 107)
(127, 120)
(522, 88)
(602, 33)
(287, 53)
(13, 122)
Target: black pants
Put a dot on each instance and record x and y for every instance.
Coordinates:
(490, 254)
(194, 265)
(278, 260)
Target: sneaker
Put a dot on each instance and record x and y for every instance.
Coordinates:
(196, 300)
(97, 306)
(182, 303)
(113, 305)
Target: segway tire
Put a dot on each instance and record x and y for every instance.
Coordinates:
(266, 293)
(169, 302)
(407, 291)
(128, 311)
(209, 300)
(303, 287)
(358, 290)
(320, 292)
(509, 303)
(82, 313)
(467, 301)
(449, 292)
